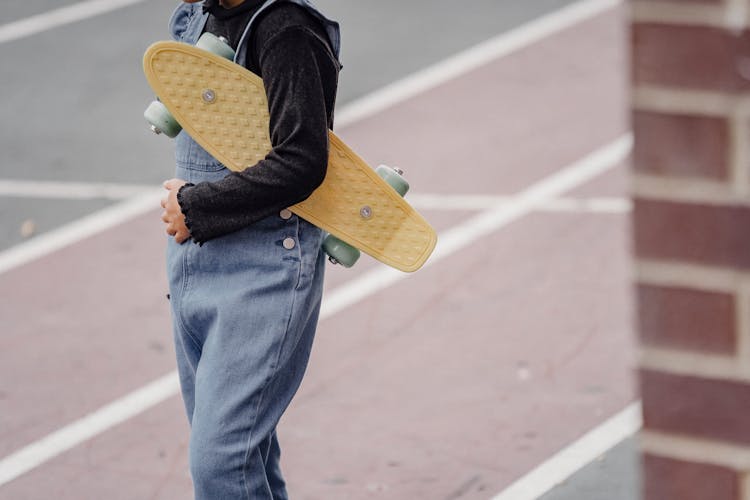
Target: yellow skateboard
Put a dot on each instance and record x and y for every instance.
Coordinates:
(223, 107)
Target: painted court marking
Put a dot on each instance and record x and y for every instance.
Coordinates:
(601, 205)
(90, 225)
(451, 241)
(473, 58)
(60, 17)
(62, 190)
(583, 451)
(94, 423)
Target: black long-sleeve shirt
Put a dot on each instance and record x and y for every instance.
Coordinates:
(290, 50)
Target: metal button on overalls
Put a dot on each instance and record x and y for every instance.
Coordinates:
(289, 243)
(285, 214)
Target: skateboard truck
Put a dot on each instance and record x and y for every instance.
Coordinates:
(216, 45)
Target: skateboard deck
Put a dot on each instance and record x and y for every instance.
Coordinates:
(223, 107)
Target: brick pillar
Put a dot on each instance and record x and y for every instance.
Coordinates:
(691, 232)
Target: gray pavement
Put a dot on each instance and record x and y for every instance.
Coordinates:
(613, 476)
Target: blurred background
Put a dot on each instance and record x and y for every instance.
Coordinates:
(565, 288)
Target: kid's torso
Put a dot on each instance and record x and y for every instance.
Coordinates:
(205, 205)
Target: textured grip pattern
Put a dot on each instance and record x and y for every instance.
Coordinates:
(234, 122)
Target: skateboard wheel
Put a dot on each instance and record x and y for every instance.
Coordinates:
(215, 45)
(161, 120)
(394, 179)
(340, 252)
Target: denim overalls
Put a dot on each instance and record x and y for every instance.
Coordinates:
(244, 309)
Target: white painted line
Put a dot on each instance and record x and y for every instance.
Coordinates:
(59, 17)
(75, 231)
(472, 58)
(431, 201)
(565, 463)
(436, 201)
(335, 301)
(588, 205)
(87, 427)
(63, 190)
(71, 190)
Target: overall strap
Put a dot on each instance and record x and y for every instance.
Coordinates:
(187, 22)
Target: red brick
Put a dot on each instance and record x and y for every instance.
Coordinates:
(687, 319)
(696, 57)
(681, 145)
(706, 234)
(669, 479)
(704, 408)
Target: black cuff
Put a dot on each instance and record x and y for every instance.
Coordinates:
(185, 209)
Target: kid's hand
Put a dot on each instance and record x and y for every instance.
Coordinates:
(172, 215)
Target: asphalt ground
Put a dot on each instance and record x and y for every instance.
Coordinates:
(455, 382)
(613, 476)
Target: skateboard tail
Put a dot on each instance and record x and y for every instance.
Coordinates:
(393, 232)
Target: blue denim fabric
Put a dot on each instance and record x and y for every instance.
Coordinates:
(244, 309)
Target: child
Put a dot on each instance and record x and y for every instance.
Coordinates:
(245, 298)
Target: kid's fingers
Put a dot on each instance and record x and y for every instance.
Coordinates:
(174, 183)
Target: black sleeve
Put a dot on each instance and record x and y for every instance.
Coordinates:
(300, 74)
